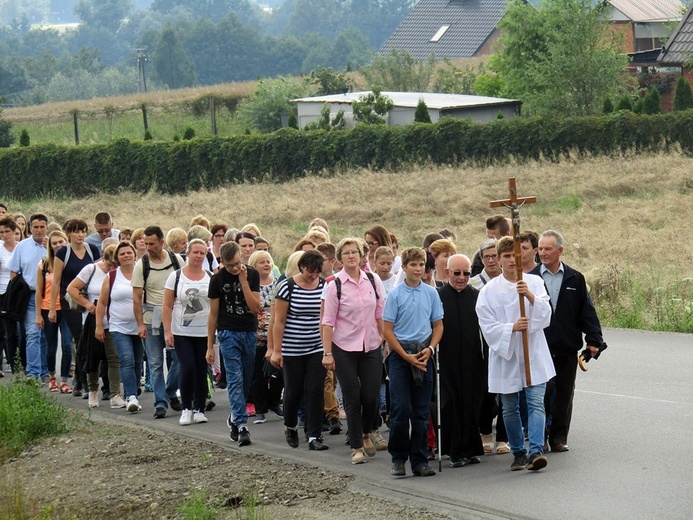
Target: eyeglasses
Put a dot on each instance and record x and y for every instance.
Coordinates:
(233, 266)
(371, 244)
(350, 253)
(218, 236)
(459, 273)
(490, 257)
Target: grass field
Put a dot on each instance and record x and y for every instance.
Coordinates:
(624, 219)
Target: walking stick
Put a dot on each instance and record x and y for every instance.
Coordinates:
(440, 448)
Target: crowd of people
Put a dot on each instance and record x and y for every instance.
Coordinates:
(359, 331)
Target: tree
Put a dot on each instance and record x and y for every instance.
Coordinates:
(24, 139)
(608, 106)
(421, 114)
(399, 71)
(370, 108)
(170, 62)
(330, 82)
(271, 97)
(625, 103)
(6, 138)
(652, 104)
(326, 121)
(683, 97)
(451, 79)
(559, 58)
(104, 14)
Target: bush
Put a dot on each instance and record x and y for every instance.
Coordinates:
(608, 107)
(147, 135)
(625, 103)
(188, 133)
(6, 138)
(421, 114)
(683, 97)
(24, 139)
(208, 162)
(652, 104)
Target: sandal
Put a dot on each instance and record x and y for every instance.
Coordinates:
(65, 388)
(502, 448)
(487, 441)
(53, 384)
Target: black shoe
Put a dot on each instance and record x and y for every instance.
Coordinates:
(317, 445)
(335, 427)
(536, 462)
(398, 469)
(277, 410)
(159, 413)
(139, 391)
(210, 406)
(464, 461)
(243, 436)
(291, 437)
(221, 384)
(431, 454)
(233, 429)
(175, 404)
(77, 390)
(424, 471)
(105, 396)
(519, 462)
(560, 448)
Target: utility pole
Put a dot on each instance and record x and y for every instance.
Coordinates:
(141, 76)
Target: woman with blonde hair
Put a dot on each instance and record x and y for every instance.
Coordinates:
(44, 291)
(20, 219)
(137, 241)
(200, 220)
(177, 241)
(441, 250)
(305, 244)
(252, 229)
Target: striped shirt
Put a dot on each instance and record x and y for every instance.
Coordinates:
(302, 328)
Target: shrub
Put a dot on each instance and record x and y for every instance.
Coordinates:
(421, 114)
(608, 107)
(625, 103)
(652, 103)
(24, 139)
(147, 135)
(683, 97)
(188, 133)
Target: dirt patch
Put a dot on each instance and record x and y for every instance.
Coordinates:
(111, 471)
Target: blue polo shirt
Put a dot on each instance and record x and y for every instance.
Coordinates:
(25, 260)
(412, 310)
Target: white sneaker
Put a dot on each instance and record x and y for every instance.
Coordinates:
(199, 417)
(117, 402)
(133, 404)
(93, 400)
(186, 417)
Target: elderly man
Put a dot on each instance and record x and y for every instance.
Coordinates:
(492, 267)
(462, 366)
(573, 315)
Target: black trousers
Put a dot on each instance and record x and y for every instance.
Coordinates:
(74, 322)
(359, 376)
(192, 375)
(304, 375)
(266, 392)
(490, 408)
(563, 384)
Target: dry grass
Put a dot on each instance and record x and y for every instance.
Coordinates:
(619, 216)
(51, 112)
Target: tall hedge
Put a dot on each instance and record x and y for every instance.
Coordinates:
(177, 167)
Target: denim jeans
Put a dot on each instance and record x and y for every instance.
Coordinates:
(130, 352)
(164, 389)
(36, 363)
(409, 404)
(238, 351)
(50, 331)
(536, 419)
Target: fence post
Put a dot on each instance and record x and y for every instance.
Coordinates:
(75, 112)
(144, 117)
(213, 115)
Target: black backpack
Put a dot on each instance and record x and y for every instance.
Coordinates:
(147, 267)
(16, 300)
(338, 284)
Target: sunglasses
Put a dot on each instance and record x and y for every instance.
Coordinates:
(465, 273)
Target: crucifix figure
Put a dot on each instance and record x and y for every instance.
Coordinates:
(514, 203)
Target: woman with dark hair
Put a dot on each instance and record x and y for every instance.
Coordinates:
(298, 348)
(10, 329)
(218, 233)
(69, 261)
(116, 296)
(246, 243)
(377, 236)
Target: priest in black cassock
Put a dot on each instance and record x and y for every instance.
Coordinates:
(463, 370)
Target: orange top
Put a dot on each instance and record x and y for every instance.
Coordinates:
(46, 297)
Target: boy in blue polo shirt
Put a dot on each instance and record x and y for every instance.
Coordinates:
(413, 327)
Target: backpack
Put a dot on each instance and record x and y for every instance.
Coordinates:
(69, 250)
(74, 306)
(291, 284)
(16, 301)
(147, 268)
(111, 280)
(338, 284)
(175, 286)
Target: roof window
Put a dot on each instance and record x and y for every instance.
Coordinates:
(437, 36)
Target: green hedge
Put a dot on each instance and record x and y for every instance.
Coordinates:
(175, 167)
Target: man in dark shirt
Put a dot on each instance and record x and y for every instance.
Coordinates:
(234, 301)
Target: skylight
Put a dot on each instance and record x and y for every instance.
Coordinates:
(437, 36)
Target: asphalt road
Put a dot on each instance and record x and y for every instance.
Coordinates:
(630, 454)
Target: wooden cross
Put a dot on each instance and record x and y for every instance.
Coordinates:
(514, 203)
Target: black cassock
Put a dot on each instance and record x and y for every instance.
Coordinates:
(463, 373)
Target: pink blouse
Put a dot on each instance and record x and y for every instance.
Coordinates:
(353, 317)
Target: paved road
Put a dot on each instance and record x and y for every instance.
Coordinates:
(631, 456)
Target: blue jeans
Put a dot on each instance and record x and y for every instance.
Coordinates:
(36, 362)
(130, 353)
(50, 332)
(536, 419)
(238, 351)
(409, 404)
(164, 389)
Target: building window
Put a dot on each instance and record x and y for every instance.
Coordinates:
(437, 36)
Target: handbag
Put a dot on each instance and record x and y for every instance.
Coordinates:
(84, 291)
